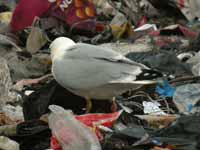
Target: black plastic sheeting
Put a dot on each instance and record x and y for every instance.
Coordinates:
(164, 61)
(183, 134)
(37, 103)
(33, 135)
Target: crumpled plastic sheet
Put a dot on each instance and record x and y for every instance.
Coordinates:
(186, 98)
(6, 84)
(33, 135)
(182, 133)
(75, 13)
(164, 61)
(34, 105)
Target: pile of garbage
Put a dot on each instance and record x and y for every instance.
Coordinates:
(38, 113)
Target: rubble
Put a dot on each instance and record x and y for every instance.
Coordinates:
(6, 84)
(38, 113)
(7, 144)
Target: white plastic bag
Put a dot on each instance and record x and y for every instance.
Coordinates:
(70, 133)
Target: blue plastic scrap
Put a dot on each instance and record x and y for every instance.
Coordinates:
(165, 89)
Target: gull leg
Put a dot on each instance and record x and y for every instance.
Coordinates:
(114, 105)
(88, 105)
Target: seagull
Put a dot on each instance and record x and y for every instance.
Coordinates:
(95, 72)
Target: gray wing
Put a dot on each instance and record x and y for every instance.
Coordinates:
(88, 66)
(91, 51)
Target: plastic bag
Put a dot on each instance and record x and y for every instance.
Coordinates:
(93, 120)
(186, 98)
(69, 132)
(165, 89)
(76, 13)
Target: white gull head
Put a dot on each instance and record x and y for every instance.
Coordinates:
(60, 45)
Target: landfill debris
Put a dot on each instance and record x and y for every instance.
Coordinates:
(120, 26)
(5, 17)
(148, 9)
(5, 120)
(14, 112)
(182, 131)
(185, 56)
(158, 121)
(179, 30)
(161, 35)
(8, 4)
(93, 120)
(165, 61)
(104, 7)
(28, 92)
(77, 14)
(167, 9)
(70, 133)
(152, 108)
(8, 144)
(37, 8)
(131, 9)
(194, 61)
(140, 45)
(133, 136)
(96, 122)
(36, 40)
(5, 40)
(6, 84)
(27, 67)
(186, 98)
(118, 20)
(150, 27)
(35, 133)
(165, 89)
(189, 8)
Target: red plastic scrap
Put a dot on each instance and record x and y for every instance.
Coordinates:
(154, 33)
(160, 148)
(54, 144)
(99, 119)
(181, 4)
(26, 11)
(187, 32)
(92, 121)
(77, 13)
